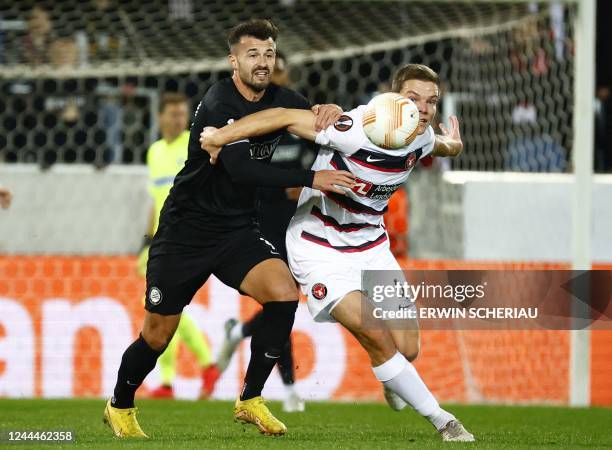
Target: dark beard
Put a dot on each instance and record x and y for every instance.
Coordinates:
(255, 87)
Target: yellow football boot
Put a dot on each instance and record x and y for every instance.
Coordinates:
(123, 421)
(255, 411)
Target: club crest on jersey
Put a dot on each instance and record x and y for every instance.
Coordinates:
(319, 291)
(411, 160)
(155, 296)
(344, 123)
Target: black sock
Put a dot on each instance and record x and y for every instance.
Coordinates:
(267, 345)
(248, 328)
(285, 364)
(138, 360)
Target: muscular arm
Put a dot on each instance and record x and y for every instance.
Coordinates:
(242, 169)
(237, 160)
(300, 122)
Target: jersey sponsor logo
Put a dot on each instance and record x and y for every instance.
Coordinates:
(371, 160)
(362, 187)
(155, 296)
(263, 150)
(319, 291)
(367, 189)
(344, 123)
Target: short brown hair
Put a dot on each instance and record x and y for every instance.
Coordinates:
(171, 98)
(261, 29)
(413, 72)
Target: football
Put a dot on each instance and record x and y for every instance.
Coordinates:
(391, 121)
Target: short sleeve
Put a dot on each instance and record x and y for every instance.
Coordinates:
(215, 110)
(346, 135)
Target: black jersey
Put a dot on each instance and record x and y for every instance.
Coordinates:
(220, 197)
(275, 210)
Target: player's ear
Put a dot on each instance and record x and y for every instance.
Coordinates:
(232, 60)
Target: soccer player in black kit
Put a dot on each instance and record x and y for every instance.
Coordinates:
(275, 208)
(207, 226)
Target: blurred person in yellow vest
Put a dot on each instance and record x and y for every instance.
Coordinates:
(165, 158)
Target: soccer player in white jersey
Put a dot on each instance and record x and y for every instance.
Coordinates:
(333, 237)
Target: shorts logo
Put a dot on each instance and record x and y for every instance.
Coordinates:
(319, 291)
(155, 296)
(344, 123)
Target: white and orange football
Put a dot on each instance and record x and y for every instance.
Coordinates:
(391, 121)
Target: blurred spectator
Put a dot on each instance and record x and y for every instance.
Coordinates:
(63, 53)
(603, 130)
(533, 149)
(33, 48)
(102, 37)
(50, 127)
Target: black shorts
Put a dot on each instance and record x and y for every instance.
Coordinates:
(176, 272)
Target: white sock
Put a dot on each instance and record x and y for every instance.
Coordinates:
(402, 378)
(235, 333)
(289, 390)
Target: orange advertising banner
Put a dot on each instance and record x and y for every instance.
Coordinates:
(65, 322)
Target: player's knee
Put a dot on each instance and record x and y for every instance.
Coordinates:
(377, 343)
(283, 292)
(411, 352)
(157, 336)
(408, 344)
(157, 340)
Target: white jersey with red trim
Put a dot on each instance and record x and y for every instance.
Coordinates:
(354, 222)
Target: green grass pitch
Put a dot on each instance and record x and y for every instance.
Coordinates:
(209, 425)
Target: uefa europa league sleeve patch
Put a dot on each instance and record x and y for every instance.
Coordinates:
(319, 291)
(344, 123)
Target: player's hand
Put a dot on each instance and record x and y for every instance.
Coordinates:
(207, 142)
(326, 115)
(452, 136)
(333, 180)
(5, 198)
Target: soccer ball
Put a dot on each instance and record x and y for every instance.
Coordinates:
(391, 121)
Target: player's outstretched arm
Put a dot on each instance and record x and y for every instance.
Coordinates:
(236, 159)
(298, 121)
(449, 143)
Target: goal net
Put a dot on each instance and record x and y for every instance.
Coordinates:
(81, 83)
